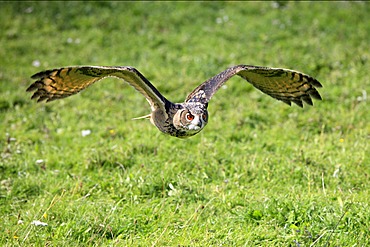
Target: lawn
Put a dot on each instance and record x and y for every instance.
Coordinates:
(260, 174)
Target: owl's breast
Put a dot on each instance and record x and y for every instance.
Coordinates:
(164, 121)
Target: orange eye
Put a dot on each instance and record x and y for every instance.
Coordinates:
(204, 116)
(189, 116)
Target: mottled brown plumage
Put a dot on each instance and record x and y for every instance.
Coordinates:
(177, 119)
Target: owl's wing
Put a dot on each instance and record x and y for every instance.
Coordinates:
(281, 84)
(60, 83)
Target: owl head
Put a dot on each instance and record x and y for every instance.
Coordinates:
(191, 119)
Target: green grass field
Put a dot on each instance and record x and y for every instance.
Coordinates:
(260, 174)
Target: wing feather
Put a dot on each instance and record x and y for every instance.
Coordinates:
(63, 82)
(282, 84)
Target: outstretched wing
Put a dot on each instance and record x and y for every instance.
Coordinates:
(60, 83)
(281, 84)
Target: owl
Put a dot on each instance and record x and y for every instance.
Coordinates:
(177, 119)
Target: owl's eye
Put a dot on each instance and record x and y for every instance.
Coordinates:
(204, 116)
(189, 116)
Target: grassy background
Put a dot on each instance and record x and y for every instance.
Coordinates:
(261, 173)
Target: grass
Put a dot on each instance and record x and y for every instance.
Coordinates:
(260, 174)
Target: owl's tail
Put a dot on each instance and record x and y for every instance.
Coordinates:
(142, 117)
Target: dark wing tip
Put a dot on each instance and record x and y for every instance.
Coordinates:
(44, 88)
(42, 98)
(315, 94)
(31, 88)
(298, 102)
(315, 82)
(39, 92)
(307, 99)
(288, 102)
(37, 86)
(42, 74)
(311, 92)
